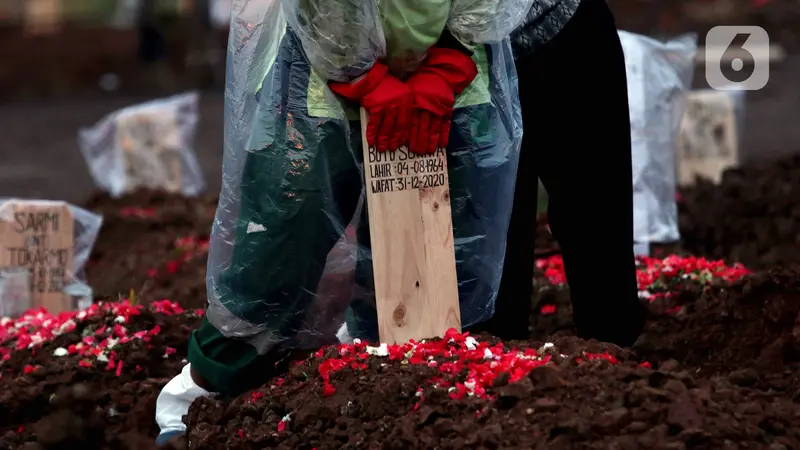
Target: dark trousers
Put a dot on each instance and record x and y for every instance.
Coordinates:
(573, 92)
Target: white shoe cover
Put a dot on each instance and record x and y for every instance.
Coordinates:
(174, 401)
(344, 335)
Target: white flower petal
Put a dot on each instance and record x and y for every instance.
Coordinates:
(383, 350)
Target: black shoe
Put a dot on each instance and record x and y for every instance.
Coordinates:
(621, 329)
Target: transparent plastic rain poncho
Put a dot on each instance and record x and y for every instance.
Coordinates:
(290, 244)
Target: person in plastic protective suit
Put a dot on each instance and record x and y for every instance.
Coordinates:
(431, 74)
(571, 70)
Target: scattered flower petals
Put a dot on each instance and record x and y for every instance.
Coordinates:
(188, 248)
(37, 327)
(134, 211)
(656, 277)
(454, 356)
(547, 310)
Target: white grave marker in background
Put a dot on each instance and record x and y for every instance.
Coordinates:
(151, 146)
(708, 139)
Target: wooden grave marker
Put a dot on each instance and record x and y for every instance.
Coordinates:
(411, 232)
(151, 147)
(39, 237)
(708, 140)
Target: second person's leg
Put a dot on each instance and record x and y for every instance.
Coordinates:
(575, 112)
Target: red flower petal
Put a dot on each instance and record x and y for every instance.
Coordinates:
(328, 389)
(547, 309)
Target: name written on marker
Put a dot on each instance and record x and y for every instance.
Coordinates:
(45, 261)
(38, 222)
(401, 170)
(401, 154)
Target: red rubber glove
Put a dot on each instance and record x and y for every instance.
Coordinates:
(388, 102)
(434, 86)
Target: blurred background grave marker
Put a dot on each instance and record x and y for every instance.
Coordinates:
(148, 145)
(150, 142)
(708, 140)
(38, 236)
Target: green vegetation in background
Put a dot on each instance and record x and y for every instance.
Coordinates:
(104, 10)
(167, 7)
(90, 10)
(542, 203)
